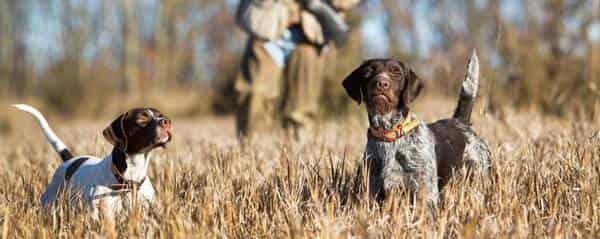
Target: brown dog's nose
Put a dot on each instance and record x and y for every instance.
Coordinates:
(382, 83)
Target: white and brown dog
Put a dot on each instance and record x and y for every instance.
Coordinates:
(109, 182)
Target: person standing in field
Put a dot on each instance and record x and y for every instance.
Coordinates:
(284, 60)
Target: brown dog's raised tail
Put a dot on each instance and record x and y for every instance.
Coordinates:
(468, 92)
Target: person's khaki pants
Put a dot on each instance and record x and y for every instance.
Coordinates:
(260, 86)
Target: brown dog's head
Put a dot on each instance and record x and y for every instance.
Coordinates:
(139, 130)
(384, 85)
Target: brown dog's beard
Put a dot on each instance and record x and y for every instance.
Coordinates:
(386, 120)
(382, 101)
(380, 104)
(384, 109)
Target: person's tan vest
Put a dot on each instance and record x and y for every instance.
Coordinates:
(268, 19)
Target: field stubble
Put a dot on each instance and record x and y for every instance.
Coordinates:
(544, 182)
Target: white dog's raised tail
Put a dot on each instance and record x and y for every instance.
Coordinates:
(56, 143)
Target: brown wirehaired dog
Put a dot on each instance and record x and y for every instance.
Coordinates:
(402, 151)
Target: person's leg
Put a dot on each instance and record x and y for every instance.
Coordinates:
(303, 81)
(258, 86)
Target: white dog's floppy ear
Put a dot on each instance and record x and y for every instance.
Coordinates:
(115, 132)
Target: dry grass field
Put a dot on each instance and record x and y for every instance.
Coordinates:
(544, 183)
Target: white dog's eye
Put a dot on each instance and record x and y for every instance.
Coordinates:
(143, 120)
(143, 123)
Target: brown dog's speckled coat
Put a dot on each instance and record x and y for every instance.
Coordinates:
(422, 161)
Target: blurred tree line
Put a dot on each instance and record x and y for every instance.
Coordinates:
(70, 54)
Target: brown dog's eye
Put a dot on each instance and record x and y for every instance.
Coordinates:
(395, 70)
(367, 72)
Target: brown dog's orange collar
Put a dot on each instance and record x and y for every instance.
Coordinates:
(398, 131)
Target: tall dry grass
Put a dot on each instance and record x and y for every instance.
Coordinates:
(544, 183)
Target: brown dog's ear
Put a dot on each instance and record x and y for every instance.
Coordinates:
(413, 87)
(115, 132)
(353, 84)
